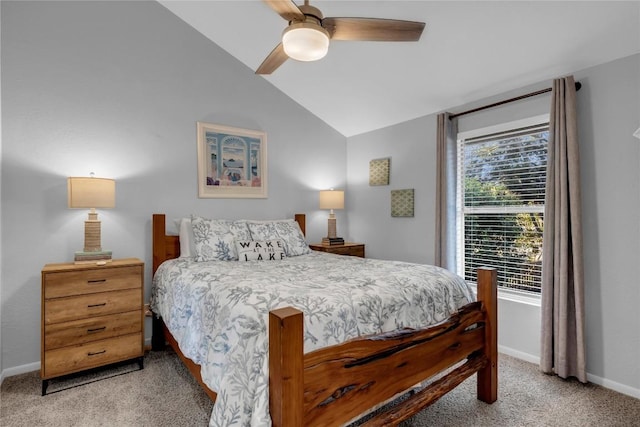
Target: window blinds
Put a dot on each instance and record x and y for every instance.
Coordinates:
(501, 191)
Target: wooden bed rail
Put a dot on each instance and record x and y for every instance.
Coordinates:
(301, 394)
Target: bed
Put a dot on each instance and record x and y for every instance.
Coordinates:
(334, 381)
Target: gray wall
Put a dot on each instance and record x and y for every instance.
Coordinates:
(369, 207)
(609, 112)
(116, 88)
(1, 375)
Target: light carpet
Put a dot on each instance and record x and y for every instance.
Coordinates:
(165, 394)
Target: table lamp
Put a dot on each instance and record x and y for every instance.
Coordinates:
(91, 193)
(332, 199)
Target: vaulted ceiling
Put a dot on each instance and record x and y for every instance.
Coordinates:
(469, 50)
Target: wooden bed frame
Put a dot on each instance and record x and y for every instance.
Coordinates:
(333, 385)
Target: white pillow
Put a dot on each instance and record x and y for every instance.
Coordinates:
(286, 229)
(187, 240)
(260, 250)
(214, 238)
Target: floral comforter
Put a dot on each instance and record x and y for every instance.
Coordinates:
(218, 313)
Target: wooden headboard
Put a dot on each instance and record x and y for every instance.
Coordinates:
(167, 246)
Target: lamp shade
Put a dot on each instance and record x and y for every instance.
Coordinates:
(305, 41)
(331, 199)
(91, 192)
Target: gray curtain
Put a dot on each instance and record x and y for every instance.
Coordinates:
(445, 250)
(563, 343)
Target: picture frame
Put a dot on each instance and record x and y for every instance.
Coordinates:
(379, 171)
(232, 162)
(402, 203)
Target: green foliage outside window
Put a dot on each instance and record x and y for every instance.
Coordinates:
(504, 182)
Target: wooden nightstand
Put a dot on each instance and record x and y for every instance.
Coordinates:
(351, 249)
(91, 316)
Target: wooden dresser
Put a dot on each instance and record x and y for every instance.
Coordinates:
(92, 316)
(351, 249)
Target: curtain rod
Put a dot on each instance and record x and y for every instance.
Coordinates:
(506, 101)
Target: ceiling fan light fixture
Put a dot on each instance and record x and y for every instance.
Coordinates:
(305, 41)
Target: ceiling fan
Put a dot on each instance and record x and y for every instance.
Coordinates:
(306, 38)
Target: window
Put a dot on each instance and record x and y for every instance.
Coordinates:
(500, 204)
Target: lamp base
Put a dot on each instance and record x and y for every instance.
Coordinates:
(82, 257)
(92, 234)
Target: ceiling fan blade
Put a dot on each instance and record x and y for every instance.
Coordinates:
(373, 29)
(275, 59)
(287, 9)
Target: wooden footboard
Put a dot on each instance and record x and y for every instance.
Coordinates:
(332, 385)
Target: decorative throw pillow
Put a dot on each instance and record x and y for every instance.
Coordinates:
(286, 229)
(260, 250)
(214, 238)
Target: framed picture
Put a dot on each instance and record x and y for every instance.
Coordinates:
(402, 203)
(379, 170)
(232, 162)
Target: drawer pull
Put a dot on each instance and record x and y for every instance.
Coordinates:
(96, 353)
(93, 282)
(96, 329)
(97, 305)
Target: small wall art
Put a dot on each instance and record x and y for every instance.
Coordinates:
(379, 170)
(402, 203)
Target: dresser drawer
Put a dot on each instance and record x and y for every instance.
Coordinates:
(68, 360)
(83, 306)
(80, 282)
(349, 250)
(91, 329)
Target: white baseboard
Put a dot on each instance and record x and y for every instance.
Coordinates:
(612, 385)
(17, 370)
(519, 354)
(615, 386)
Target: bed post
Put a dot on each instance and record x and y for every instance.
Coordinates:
(286, 353)
(302, 222)
(159, 251)
(488, 294)
(159, 241)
